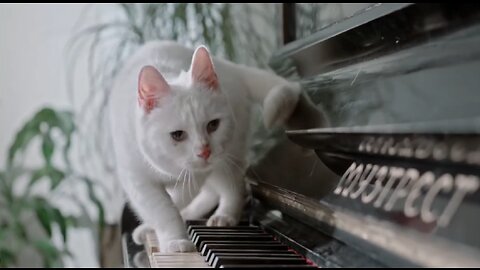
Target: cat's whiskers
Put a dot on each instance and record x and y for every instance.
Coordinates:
(231, 158)
(195, 186)
(178, 178)
(183, 185)
(189, 184)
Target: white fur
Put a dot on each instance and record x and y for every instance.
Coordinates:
(139, 235)
(162, 178)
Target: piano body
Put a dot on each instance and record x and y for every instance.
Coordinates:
(394, 180)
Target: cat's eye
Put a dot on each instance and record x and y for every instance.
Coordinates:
(178, 135)
(213, 125)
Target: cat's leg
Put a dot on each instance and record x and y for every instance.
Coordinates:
(139, 235)
(228, 183)
(201, 205)
(153, 204)
(141, 259)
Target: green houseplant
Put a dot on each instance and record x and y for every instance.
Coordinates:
(24, 205)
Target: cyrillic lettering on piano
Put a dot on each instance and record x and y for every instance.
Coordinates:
(386, 186)
(423, 147)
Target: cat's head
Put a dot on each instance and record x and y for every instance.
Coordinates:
(186, 121)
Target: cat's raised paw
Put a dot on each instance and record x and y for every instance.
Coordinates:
(219, 220)
(139, 235)
(280, 104)
(180, 245)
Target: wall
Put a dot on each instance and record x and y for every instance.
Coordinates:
(33, 74)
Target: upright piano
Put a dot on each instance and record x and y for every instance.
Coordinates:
(393, 181)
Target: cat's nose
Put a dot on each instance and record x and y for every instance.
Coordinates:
(205, 153)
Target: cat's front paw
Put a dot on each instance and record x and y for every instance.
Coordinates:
(139, 235)
(141, 260)
(221, 220)
(178, 245)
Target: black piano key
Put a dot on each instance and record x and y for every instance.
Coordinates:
(195, 235)
(233, 238)
(241, 245)
(194, 227)
(247, 255)
(268, 266)
(271, 245)
(211, 252)
(206, 231)
(228, 229)
(200, 226)
(189, 222)
(225, 260)
(221, 232)
(196, 222)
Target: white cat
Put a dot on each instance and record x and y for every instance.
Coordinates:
(180, 130)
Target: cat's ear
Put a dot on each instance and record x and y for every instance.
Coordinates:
(151, 87)
(202, 69)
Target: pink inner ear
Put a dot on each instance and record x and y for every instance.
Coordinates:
(202, 69)
(151, 87)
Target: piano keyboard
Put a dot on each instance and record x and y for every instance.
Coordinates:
(227, 247)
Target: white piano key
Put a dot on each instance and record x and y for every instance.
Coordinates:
(151, 243)
(171, 260)
(178, 260)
